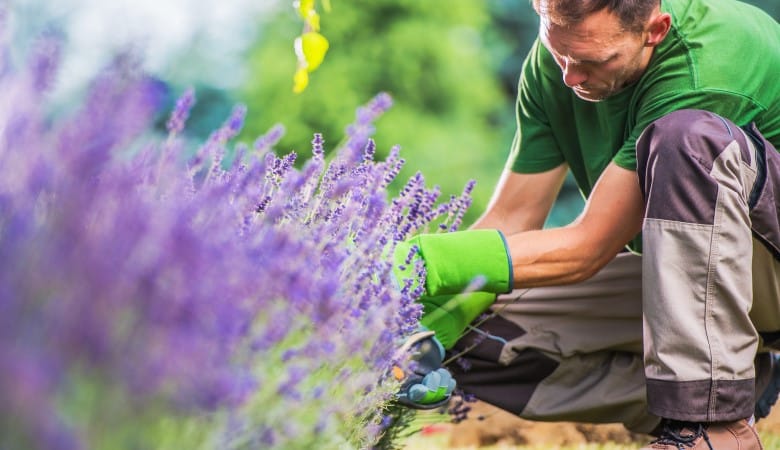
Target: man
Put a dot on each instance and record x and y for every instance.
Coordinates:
(668, 115)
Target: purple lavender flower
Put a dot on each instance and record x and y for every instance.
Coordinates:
(45, 61)
(181, 112)
(232, 125)
(463, 204)
(266, 142)
(359, 131)
(317, 146)
(247, 289)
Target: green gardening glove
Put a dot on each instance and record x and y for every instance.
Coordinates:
(454, 260)
(449, 315)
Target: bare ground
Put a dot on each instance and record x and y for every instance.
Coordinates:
(488, 425)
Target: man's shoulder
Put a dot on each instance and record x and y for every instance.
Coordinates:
(711, 47)
(732, 21)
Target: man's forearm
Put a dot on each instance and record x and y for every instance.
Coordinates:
(558, 256)
(522, 201)
(611, 218)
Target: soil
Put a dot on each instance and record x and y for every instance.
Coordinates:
(487, 425)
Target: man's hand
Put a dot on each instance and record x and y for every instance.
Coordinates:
(449, 315)
(454, 260)
(426, 384)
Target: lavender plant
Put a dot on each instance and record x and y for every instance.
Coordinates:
(154, 300)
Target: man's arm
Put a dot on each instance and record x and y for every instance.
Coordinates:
(521, 202)
(611, 218)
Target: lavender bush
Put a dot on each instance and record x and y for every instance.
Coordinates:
(150, 299)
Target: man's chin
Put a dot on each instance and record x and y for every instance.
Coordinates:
(598, 95)
(589, 96)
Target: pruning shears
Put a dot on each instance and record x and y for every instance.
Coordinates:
(426, 384)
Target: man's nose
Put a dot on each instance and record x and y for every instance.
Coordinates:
(573, 75)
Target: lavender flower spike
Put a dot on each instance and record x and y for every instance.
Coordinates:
(317, 146)
(45, 61)
(232, 125)
(181, 112)
(267, 141)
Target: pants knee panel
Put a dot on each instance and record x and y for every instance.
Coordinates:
(675, 155)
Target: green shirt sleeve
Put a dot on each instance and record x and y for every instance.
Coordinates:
(534, 148)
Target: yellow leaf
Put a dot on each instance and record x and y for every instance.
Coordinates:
(304, 7)
(313, 21)
(309, 14)
(313, 46)
(300, 80)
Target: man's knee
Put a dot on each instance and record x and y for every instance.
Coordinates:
(687, 132)
(675, 158)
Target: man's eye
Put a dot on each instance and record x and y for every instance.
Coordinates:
(605, 61)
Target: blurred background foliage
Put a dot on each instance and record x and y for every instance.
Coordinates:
(451, 67)
(437, 59)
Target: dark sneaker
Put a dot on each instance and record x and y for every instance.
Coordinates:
(767, 383)
(712, 436)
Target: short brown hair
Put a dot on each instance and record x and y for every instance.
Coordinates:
(632, 13)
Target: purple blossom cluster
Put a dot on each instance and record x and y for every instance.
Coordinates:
(145, 294)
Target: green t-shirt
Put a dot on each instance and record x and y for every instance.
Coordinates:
(720, 55)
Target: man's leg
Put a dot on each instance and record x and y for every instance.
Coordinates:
(701, 176)
(765, 313)
(564, 353)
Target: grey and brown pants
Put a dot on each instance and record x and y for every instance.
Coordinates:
(672, 333)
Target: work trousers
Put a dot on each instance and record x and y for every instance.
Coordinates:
(673, 333)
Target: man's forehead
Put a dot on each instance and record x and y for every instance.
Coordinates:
(576, 44)
(592, 36)
(599, 22)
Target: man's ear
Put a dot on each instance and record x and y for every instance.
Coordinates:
(657, 29)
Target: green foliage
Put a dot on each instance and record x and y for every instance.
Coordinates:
(450, 114)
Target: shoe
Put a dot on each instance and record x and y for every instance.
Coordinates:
(769, 384)
(739, 435)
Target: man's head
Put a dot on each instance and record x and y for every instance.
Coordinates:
(602, 46)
